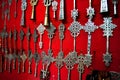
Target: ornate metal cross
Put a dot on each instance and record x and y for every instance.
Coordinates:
(107, 27)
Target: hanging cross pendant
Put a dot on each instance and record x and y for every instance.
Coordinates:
(51, 31)
(41, 30)
(33, 4)
(15, 13)
(80, 61)
(75, 26)
(107, 27)
(59, 59)
(61, 12)
(115, 2)
(9, 3)
(89, 27)
(15, 49)
(37, 59)
(47, 3)
(29, 51)
(104, 6)
(90, 10)
(23, 58)
(23, 8)
(59, 62)
(69, 61)
(54, 7)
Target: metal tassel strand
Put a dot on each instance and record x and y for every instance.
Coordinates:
(107, 27)
(89, 27)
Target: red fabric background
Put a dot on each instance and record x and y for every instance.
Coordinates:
(98, 41)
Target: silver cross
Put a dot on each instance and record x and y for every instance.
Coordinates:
(59, 59)
(115, 2)
(21, 39)
(104, 6)
(23, 8)
(29, 51)
(37, 59)
(69, 61)
(90, 10)
(47, 3)
(15, 12)
(23, 58)
(54, 7)
(75, 26)
(36, 56)
(10, 56)
(61, 12)
(46, 60)
(50, 31)
(89, 27)
(80, 61)
(15, 48)
(41, 30)
(107, 27)
(9, 3)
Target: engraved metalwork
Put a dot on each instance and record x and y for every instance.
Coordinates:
(59, 59)
(104, 6)
(41, 30)
(29, 51)
(107, 27)
(23, 58)
(15, 48)
(36, 56)
(89, 28)
(115, 2)
(23, 8)
(80, 61)
(61, 12)
(69, 60)
(54, 7)
(47, 3)
(33, 4)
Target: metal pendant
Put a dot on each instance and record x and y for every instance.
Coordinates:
(23, 8)
(41, 30)
(104, 6)
(80, 61)
(69, 60)
(107, 27)
(115, 2)
(61, 12)
(33, 4)
(54, 7)
(47, 3)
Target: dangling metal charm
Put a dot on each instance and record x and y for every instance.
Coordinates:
(104, 6)
(41, 30)
(54, 7)
(89, 28)
(107, 27)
